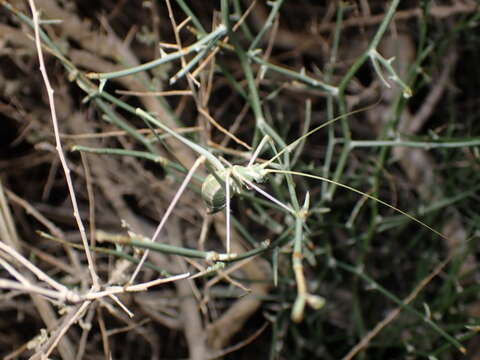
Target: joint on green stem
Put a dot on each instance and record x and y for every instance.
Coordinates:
(378, 59)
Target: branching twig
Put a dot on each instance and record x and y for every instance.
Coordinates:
(68, 178)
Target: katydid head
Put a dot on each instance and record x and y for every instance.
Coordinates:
(253, 173)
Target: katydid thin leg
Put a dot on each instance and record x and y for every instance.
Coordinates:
(368, 196)
(258, 149)
(284, 164)
(268, 196)
(165, 217)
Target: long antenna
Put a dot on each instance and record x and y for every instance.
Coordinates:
(293, 144)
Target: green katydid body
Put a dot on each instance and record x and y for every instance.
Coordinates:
(213, 188)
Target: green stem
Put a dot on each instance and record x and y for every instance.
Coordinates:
(332, 90)
(343, 86)
(330, 105)
(198, 46)
(197, 148)
(267, 25)
(116, 253)
(389, 295)
(135, 153)
(192, 253)
(117, 121)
